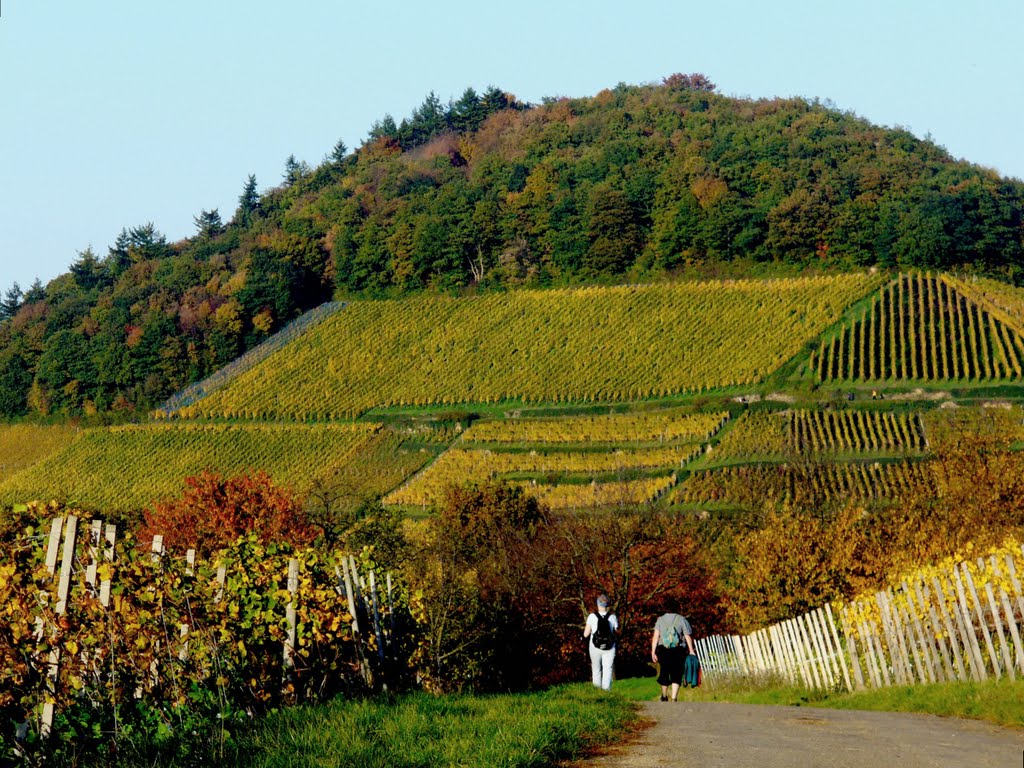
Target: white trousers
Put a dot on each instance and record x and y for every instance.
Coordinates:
(601, 663)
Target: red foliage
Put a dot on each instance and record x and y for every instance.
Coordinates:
(214, 511)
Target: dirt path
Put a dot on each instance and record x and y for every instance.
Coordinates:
(713, 735)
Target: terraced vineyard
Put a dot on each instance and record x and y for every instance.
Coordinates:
(123, 468)
(557, 346)
(752, 484)
(616, 429)
(571, 461)
(458, 466)
(595, 495)
(923, 328)
(767, 434)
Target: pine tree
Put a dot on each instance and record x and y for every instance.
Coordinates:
(248, 202)
(294, 170)
(35, 292)
(208, 223)
(339, 153)
(87, 269)
(11, 302)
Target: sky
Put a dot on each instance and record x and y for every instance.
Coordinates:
(115, 113)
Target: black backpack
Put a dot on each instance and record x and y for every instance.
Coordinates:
(603, 639)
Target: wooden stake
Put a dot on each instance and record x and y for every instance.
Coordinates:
(293, 588)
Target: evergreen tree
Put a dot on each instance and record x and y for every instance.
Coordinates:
(339, 153)
(208, 223)
(11, 302)
(294, 170)
(87, 269)
(118, 259)
(494, 100)
(468, 113)
(248, 202)
(385, 128)
(35, 292)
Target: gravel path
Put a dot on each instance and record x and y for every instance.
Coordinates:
(713, 735)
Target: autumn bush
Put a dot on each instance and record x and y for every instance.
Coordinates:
(214, 511)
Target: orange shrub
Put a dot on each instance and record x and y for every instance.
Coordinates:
(214, 511)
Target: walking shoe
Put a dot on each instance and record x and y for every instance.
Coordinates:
(664, 698)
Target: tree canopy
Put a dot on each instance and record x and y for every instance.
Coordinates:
(485, 191)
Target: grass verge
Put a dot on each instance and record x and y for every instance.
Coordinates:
(995, 701)
(515, 731)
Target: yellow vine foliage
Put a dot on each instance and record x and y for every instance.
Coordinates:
(127, 467)
(568, 345)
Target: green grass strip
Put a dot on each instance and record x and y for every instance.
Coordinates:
(514, 731)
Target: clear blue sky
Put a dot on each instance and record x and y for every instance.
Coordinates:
(120, 112)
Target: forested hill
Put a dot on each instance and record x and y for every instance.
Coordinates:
(632, 184)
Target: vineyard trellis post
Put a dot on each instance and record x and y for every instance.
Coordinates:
(928, 628)
(69, 571)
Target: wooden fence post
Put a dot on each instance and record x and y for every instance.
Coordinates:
(63, 590)
(289, 611)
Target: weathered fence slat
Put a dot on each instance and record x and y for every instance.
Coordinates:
(1011, 621)
(969, 582)
(1004, 649)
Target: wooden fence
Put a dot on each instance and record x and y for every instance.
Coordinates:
(71, 560)
(964, 622)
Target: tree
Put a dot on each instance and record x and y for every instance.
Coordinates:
(11, 302)
(385, 128)
(694, 82)
(294, 171)
(136, 245)
(615, 237)
(208, 223)
(469, 112)
(35, 292)
(495, 100)
(248, 202)
(339, 153)
(87, 270)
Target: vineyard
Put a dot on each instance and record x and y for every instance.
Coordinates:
(558, 346)
(594, 495)
(457, 466)
(618, 428)
(22, 445)
(924, 328)
(753, 484)
(766, 434)
(121, 468)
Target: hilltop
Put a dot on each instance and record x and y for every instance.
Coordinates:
(640, 183)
